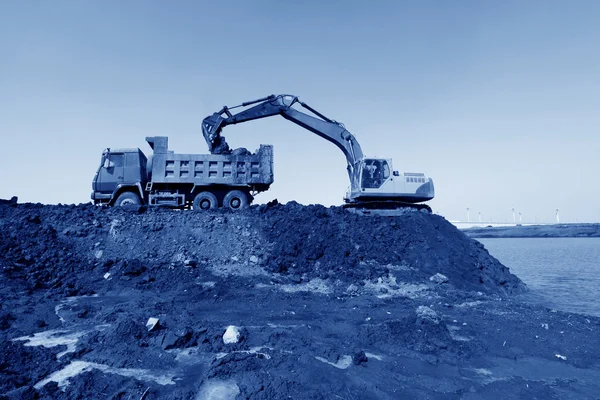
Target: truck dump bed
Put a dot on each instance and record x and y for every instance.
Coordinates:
(255, 170)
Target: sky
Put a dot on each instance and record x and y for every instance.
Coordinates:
(497, 102)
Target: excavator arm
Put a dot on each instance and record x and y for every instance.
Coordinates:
(319, 124)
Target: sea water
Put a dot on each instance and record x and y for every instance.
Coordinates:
(561, 273)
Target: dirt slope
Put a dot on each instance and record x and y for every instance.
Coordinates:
(323, 302)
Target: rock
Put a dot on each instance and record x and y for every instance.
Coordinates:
(426, 314)
(169, 341)
(185, 335)
(439, 278)
(133, 268)
(178, 340)
(231, 335)
(152, 324)
(129, 328)
(254, 259)
(352, 289)
(359, 358)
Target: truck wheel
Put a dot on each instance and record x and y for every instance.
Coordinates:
(235, 200)
(127, 199)
(205, 201)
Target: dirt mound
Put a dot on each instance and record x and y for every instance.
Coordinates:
(81, 283)
(45, 245)
(315, 241)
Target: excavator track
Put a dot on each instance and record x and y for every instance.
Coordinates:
(385, 208)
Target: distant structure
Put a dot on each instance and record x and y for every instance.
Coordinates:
(520, 217)
(557, 217)
(513, 210)
(468, 216)
(479, 216)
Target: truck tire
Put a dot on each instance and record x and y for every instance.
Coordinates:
(127, 199)
(205, 201)
(235, 200)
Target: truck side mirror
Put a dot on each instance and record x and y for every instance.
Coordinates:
(396, 173)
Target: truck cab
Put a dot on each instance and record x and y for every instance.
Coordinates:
(120, 170)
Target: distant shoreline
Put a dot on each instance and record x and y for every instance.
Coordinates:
(536, 231)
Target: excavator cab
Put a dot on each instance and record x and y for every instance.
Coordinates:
(374, 173)
(379, 182)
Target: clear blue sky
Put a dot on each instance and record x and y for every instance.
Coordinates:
(497, 101)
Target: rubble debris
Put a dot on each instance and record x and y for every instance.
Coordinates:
(231, 335)
(439, 278)
(152, 324)
(359, 358)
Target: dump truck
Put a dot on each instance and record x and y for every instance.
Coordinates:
(168, 179)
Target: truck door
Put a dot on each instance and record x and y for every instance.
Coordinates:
(133, 168)
(111, 173)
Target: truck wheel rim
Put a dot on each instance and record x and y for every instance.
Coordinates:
(235, 203)
(205, 204)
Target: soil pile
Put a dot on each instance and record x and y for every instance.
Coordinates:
(271, 302)
(51, 246)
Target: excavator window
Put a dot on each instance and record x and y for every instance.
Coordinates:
(386, 170)
(374, 173)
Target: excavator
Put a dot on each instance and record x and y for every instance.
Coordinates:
(374, 185)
